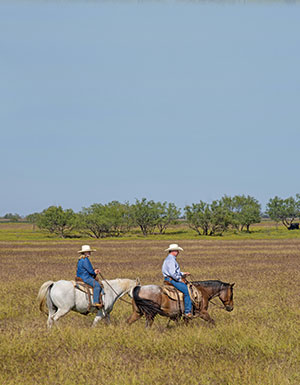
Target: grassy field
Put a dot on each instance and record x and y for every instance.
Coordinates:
(257, 343)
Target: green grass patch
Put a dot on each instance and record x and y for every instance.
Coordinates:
(266, 230)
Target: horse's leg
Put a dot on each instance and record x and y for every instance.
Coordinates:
(203, 311)
(134, 317)
(204, 315)
(52, 309)
(60, 313)
(149, 321)
(107, 319)
(136, 314)
(100, 315)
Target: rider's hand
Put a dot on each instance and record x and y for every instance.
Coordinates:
(186, 273)
(97, 271)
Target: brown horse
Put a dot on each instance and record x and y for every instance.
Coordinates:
(150, 300)
(216, 288)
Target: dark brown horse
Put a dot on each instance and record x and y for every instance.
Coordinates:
(215, 288)
(151, 300)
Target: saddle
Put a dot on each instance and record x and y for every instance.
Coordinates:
(177, 295)
(88, 290)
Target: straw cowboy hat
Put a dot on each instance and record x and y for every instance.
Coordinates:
(174, 247)
(85, 248)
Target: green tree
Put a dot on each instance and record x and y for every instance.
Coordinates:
(234, 208)
(243, 211)
(198, 216)
(146, 215)
(220, 217)
(12, 217)
(121, 217)
(57, 221)
(208, 219)
(95, 220)
(168, 214)
(33, 219)
(249, 213)
(284, 210)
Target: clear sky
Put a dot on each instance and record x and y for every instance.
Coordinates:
(172, 101)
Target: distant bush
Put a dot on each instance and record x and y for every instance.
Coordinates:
(57, 221)
(284, 210)
(32, 218)
(145, 215)
(149, 215)
(102, 220)
(114, 218)
(208, 219)
(12, 217)
(215, 218)
(244, 211)
(168, 214)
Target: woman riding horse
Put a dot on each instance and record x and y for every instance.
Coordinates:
(86, 272)
(171, 272)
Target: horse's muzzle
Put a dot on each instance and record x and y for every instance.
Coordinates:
(228, 308)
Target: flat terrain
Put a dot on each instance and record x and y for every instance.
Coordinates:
(257, 343)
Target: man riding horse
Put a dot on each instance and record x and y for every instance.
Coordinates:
(86, 272)
(172, 274)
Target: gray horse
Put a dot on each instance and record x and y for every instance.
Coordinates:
(62, 296)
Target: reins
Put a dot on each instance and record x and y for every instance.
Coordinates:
(121, 299)
(210, 300)
(218, 306)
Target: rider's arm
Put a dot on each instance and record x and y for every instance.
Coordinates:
(88, 267)
(171, 269)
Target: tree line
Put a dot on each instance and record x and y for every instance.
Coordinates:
(115, 218)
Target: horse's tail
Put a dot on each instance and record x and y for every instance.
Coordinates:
(146, 306)
(42, 295)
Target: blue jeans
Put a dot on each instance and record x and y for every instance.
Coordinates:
(97, 288)
(181, 286)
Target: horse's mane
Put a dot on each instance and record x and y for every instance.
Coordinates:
(117, 280)
(123, 283)
(211, 283)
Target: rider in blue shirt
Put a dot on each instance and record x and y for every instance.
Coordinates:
(171, 272)
(87, 273)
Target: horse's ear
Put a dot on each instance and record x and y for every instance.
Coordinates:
(232, 284)
(138, 282)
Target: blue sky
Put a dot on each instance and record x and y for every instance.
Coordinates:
(175, 101)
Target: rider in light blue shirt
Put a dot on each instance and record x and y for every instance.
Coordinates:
(172, 273)
(87, 273)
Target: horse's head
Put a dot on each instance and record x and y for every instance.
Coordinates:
(226, 296)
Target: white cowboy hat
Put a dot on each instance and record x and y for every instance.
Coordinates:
(174, 247)
(85, 248)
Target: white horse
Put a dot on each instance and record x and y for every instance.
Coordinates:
(62, 296)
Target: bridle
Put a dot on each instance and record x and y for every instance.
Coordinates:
(215, 304)
(218, 295)
(121, 299)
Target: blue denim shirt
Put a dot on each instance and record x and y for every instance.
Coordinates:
(170, 268)
(85, 269)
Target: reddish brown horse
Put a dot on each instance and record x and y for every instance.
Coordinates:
(150, 300)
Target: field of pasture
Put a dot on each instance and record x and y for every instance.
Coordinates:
(257, 343)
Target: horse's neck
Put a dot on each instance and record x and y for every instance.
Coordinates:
(117, 287)
(212, 290)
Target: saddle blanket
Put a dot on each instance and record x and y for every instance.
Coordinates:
(88, 290)
(173, 293)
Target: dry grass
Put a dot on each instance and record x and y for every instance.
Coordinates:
(258, 343)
